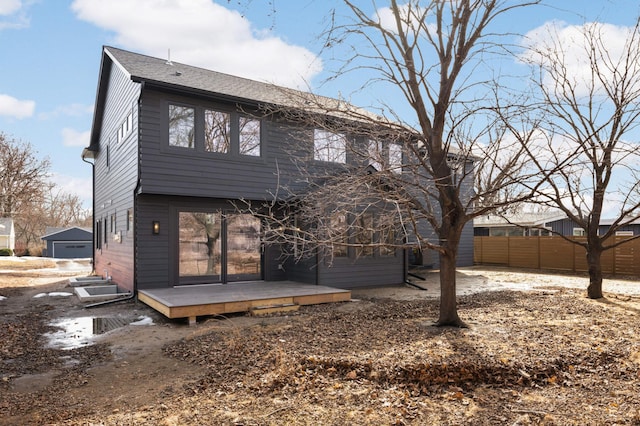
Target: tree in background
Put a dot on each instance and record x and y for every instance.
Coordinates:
(23, 176)
(30, 199)
(587, 88)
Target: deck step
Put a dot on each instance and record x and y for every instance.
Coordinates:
(273, 309)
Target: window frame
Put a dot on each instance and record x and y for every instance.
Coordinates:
(328, 152)
(234, 136)
(191, 145)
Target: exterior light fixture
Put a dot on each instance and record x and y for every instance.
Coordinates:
(156, 227)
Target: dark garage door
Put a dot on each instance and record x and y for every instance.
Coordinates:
(68, 250)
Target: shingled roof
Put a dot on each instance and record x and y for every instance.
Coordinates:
(164, 72)
(186, 78)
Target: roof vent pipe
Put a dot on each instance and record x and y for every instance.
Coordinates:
(169, 57)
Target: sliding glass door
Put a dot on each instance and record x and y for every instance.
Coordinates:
(217, 247)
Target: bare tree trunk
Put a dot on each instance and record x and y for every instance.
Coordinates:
(448, 260)
(594, 253)
(448, 303)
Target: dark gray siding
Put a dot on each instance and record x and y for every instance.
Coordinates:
(188, 172)
(465, 248)
(116, 170)
(363, 272)
(562, 226)
(153, 260)
(635, 228)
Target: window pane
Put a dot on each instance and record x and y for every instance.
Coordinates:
(395, 157)
(181, 124)
(199, 244)
(340, 237)
(328, 146)
(217, 131)
(388, 239)
(376, 154)
(249, 136)
(364, 235)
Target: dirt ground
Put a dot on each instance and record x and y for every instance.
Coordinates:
(536, 352)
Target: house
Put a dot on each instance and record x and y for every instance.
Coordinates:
(68, 243)
(629, 230)
(542, 224)
(521, 225)
(173, 148)
(7, 234)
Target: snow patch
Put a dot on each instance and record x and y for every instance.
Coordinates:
(143, 321)
(3, 298)
(53, 294)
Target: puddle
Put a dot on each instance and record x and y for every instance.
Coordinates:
(79, 332)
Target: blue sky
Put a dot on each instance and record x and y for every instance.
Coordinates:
(50, 56)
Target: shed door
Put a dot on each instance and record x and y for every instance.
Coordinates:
(71, 249)
(218, 247)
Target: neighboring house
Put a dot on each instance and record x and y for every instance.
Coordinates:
(7, 234)
(68, 243)
(173, 148)
(520, 224)
(632, 229)
(541, 224)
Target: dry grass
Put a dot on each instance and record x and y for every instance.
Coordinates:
(23, 264)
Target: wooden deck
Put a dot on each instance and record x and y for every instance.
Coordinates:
(216, 299)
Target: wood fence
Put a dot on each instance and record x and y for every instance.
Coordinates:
(554, 253)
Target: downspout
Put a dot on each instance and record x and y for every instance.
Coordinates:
(93, 213)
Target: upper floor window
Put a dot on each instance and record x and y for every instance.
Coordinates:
(395, 157)
(211, 130)
(578, 232)
(217, 131)
(329, 146)
(385, 155)
(125, 127)
(181, 126)
(249, 136)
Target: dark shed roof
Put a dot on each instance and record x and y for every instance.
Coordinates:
(73, 233)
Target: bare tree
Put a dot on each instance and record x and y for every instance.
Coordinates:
(22, 175)
(585, 148)
(417, 177)
(56, 209)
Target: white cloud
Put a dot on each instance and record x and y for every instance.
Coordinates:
(72, 110)
(8, 7)
(558, 41)
(82, 187)
(13, 14)
(201, 33)
(71, 137)
(16, 108)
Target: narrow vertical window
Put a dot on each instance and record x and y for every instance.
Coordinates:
(98, 232)
(129, 220)
(376, 154)
(395, 157)
(364, 235)
(339, 235)
(329, 146)
(388, 241)
(181, 126)
(217, 131)
(249, 136)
